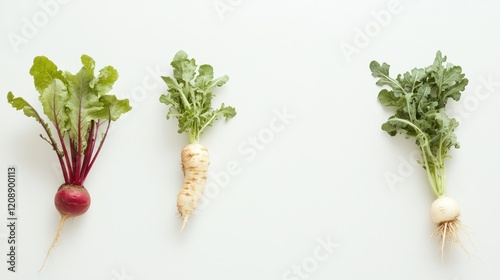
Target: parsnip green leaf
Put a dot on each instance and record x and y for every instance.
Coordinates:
(190, 96)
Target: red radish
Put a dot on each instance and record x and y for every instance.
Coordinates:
(81, 112)
(72, 200)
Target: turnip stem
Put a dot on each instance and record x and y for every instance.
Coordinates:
(192, 139)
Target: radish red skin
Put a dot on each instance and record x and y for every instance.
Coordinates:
(72, 200)
(81, 111)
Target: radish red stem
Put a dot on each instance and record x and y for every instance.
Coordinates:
(93, 133)
(64, 168)
(79, 149)
(73, 160)
(80, 144)
(54, 146)
(89, 149)
(100, 145)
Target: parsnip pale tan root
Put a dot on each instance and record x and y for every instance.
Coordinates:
(58, 233)
(195, 162)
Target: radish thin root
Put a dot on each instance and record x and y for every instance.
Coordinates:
(449, 231)
(59, 230)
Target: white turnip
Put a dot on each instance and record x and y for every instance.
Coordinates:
(420, 97)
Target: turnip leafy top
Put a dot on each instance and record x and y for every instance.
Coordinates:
(420, 97)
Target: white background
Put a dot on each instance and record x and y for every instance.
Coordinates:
(322, 176)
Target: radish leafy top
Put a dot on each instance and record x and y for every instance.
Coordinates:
(190, 96)
(78, 107)
(420, 97)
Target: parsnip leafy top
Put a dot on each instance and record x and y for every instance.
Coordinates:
(190, 96)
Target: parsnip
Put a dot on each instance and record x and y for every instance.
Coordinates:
(190, 100)
(195, 162)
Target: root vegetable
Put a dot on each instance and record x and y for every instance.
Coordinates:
(444, 214)
(444, 209)
(195, 164)
(81, 112)
(72, 200)
(420, 97)
(190, 100)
